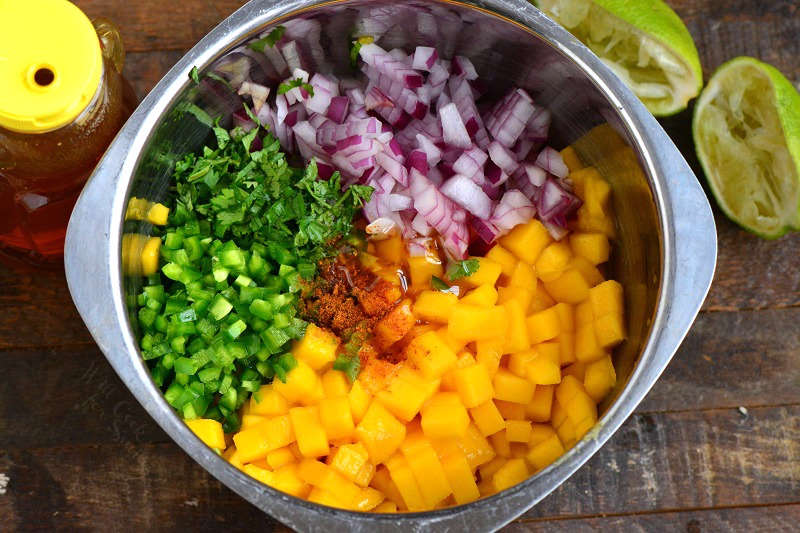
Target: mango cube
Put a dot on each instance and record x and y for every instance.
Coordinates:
(386, 507)
(513, 472)
(249, 420)
(583, 314)
(326, 478)
(606, 298)
(566, 348)
(391, 249)
(552, 261)
(609, 330)
(566, 316)
(570, 287)
(336, 418)
(571, 159)
(482, 296)
(334, 383)
(518, 430)
(540, 407)
(475, 447)
(487, 418)
(422, 268)
(540, 300)
(367, 499)
(599, 378)
(380, 432)
(512, 388)
(527, 241)
(382, 481)
(424, 463)
(487, 471)
(543, 325)
(266, 401)
(287, 479)
(311, 437)
(473, 385)
(444, 416)
(518, 362)
(545, 452)
(471, 323)
(488, 353)
(209, 431)
(406, 393)
(430, 354)
(459, 476)
(454, 343)
(403, 478)
(500, 444)
(523, 277)
(434, 306)
(359, 400)
(588, 271)
(510, 410)
(255, 443)
(261, 474)
(577, 370)
(587, 349)
(503, 257)
(542, 370)
(594, 247)
(278, 458)
(517, 337)
(302, 385)
(487, 273)
(349, 460)
(317, 347)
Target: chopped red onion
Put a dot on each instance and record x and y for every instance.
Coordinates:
(453, 128)
(502, 157)
(424, 58)
(463, 191)
(551, 160)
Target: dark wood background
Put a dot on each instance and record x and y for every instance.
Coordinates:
(714, 447)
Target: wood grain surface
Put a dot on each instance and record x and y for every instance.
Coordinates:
(715, 446)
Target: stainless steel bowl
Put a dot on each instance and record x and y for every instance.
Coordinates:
(664, 254)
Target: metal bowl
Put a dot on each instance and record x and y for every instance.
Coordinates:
(664, 253)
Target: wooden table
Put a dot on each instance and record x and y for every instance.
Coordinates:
(714, 447)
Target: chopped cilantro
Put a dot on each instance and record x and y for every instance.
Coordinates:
(354, 49)
(462, 269)
(194, 75)
(439, 284)
(273, 37)
(287, 86)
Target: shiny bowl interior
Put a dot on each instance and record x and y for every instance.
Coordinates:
(511, 45)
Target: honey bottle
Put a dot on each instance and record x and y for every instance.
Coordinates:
(62, 101)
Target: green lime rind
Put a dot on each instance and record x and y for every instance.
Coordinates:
(787, 108)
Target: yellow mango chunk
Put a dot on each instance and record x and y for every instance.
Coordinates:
(386, 507)
(302, 385)
(518, 430)
(349, 460)
(540, 433)
(606, 298)
(510, 410)
(317, 347)
(512, 388)
(588, 271)
(527, 241)
(540, 407)
(543, 370)
(594, 247)
(502, 257)
(570, 287)
(308, 430)
(424, 463)
(517, 337)
(609, 330)
(587, 349)
(406, 393)
(583, 314)
(543, 325)
(336, 418)
(287, 479)
(511, 473)
(403, 478)
(392, 249)
(209, 431)
(268, 402)
(261, 474)
(475, 447)
(506, 294)
(434, 306)
(460, 478)
(488, 353)
(487, 471)
(444, 416)
(518, 362)
(463, 360)
(278, 458)
(380, 432)
(455, 344)
(487, 273)
(581, 410)
(566, 316)
(473, 385)
(566, 348)
(487, 418)
(540, 300)
(367, 500)
(545, 452)
(256, 442)
(599, 378)
(578, 370)
(383, 482)
(421, 269)
(334, 383)
(482, 296)
(471, 323)
(324, 497)
(571, 159)
(523, 277)
(326, 478)
(552, 261)
(359, 400)
(430, 354)
(249, 420)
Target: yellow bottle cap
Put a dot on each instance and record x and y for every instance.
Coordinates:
(50, 64)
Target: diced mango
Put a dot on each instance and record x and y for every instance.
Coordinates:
(424, 463)
(566, 316)
(406, 393)
(359, 400)
(517, 337)
(506, 294)
(383, 482)
(540, 300)
(326, 478)
(518, 430)
(588, 271)
(336, 417)
(471, 323)
(523, 277)
(455, 344)
(311, 437)
(459, 476)
(571, 159)
(609, 330)
(302, 385)
(540, 433)
(261, 474)
(334, 383)
(545, 452)
(543, 325)
(552, 261)
(268, 402)
(380, 432)
(570, 287)
(386, 507)
(392, 249)
(434, 306)
(606, 298)
(600, 378)
(368, 499)
(209, 431)
(527, 241)
(463, 360)
(487, 273)
(403, 478)
(256, 442)
(473, 385)
(577, 404)
(317, 347)
(566, 348)
(482, 296)
(324, 497)
(587, 348)
(594, 247)
(583, 314)
(543, 370)
(394, 325)
(510, 410)
(518, 362)
(287, 479)
(488, 353)
(577, 370)
(503, 257)
(512, 388)
(540, 407)
(487, 418)
(513, 472)
(430, 354)
(349, 459)
(444, 416)
(278, 458)
(249, 420)
(487, 471)
(421, 269)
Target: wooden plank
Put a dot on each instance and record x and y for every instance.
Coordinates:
(739, 519)
(144, 69)
(676, 461)
(157, 25)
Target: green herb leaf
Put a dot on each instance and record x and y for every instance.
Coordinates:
(287, 86)
(439, 284)
(351, 366)
(194, 75)
(354, 49)
(462, 269)
(270, 40)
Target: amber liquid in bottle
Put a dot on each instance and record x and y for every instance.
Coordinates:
(41, 175)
